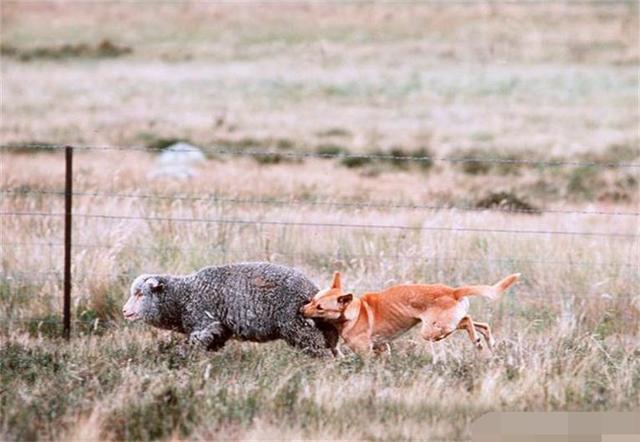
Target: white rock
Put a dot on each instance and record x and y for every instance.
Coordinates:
(181, 153)
(177, 161)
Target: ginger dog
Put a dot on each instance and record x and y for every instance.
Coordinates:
(368, 323)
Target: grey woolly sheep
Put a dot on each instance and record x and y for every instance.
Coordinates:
(248, 301)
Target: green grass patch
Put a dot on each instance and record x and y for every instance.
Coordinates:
(481, 161)
(31, 147)
(104, 49)
(334, 132)
(159, 142)
(613, 154)
(331, 149)
(396, 158)
(584, 182)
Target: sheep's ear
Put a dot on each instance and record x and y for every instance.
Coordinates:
(336, 283)
(344, 300)
(155, 285)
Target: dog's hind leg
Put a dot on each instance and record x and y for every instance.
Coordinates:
(434, 330)
(485, 331)
(467, 324)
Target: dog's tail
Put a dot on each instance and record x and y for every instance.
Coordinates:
(488, 291)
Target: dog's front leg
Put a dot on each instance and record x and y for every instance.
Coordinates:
(336, 352)
(362, 346)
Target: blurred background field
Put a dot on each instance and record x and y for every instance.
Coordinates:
(553, 86)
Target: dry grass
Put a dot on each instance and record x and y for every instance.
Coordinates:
(568, 336)
(491, 80)
(452, 76)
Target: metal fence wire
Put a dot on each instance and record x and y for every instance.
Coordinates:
(68, 194)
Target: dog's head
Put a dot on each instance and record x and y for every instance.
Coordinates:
(330, 303)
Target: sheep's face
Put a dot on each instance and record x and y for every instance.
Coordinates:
(329, 304)
(144, 300)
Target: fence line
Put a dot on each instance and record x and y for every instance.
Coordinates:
(323, 203)
(57, 277)
(341, 256)
(223, 221)
(302, 154)
(539, 293)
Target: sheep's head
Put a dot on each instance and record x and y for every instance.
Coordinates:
(145, 298)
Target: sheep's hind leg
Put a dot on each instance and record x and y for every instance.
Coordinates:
(308, 338)
(331, 337)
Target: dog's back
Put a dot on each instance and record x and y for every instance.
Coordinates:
(412, 297)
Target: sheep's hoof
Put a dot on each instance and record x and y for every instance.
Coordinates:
(185, 349)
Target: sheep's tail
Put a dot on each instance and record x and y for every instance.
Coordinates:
(488, 291)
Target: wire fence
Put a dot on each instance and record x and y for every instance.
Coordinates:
(56, 276)
(263, 222)
(322, 203)
(335, 256)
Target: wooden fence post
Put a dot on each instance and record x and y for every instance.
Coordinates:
(68, 193)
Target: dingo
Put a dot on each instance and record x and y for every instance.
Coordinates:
(366, 324)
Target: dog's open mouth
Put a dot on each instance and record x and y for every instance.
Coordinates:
(131, 317)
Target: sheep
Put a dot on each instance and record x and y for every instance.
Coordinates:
(253, 301)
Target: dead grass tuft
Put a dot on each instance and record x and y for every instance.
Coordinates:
(473, 161)
(506, 200)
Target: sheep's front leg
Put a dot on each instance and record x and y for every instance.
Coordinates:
(212, 337)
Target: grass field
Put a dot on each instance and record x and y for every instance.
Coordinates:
(554, 83)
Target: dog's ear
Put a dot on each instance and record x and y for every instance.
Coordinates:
(344, 300)
(336, 283)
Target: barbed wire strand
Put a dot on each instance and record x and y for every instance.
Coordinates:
(338, 256)
(323, 203)
(324, 225)
(301, 154)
